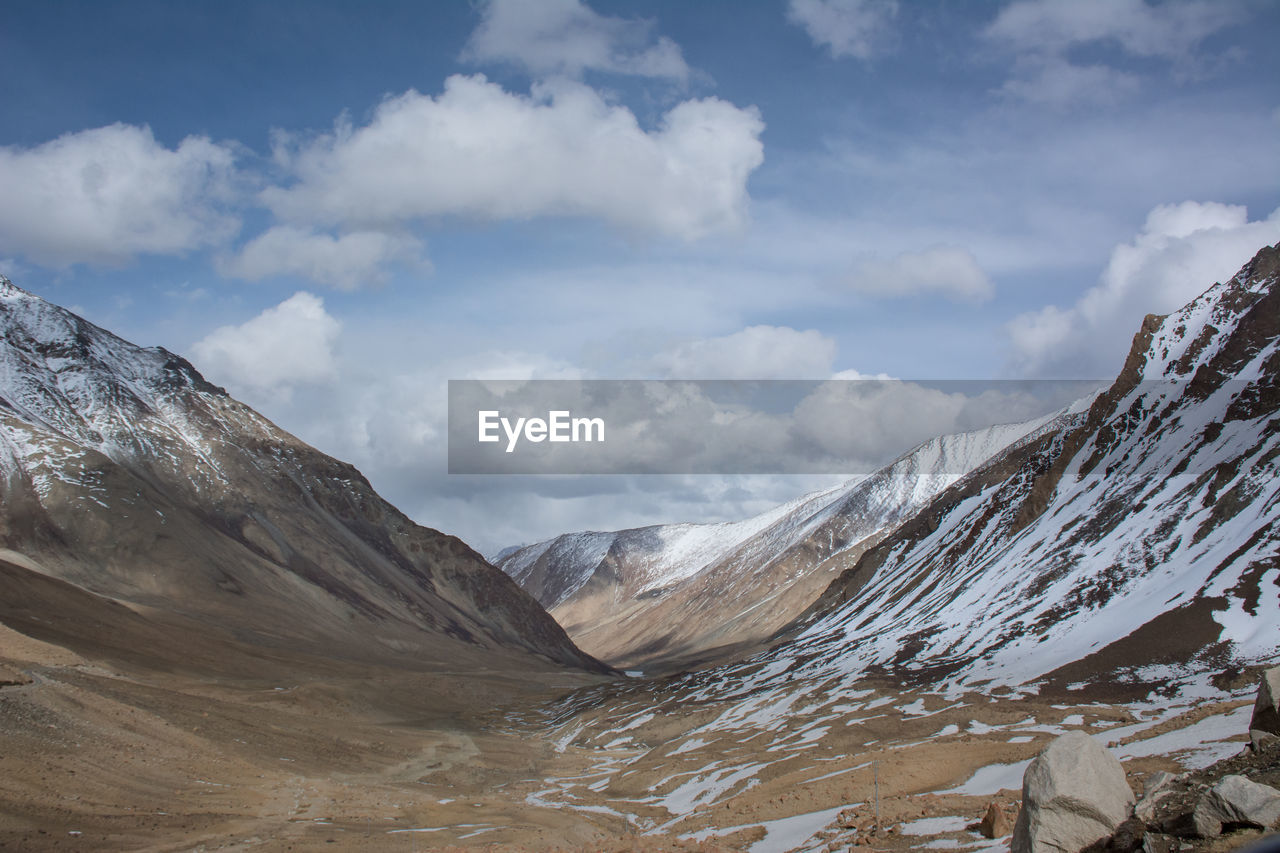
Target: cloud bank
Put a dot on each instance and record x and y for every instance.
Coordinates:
(1180, 251)
(285, 346)
(477, 151)
(756, 352)
(947, 270)
(347, 262)
(103, 196)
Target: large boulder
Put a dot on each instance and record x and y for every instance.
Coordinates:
(1074, 794)
(1265, 724)
(1236, 801)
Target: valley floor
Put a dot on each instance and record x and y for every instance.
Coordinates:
(100, 756)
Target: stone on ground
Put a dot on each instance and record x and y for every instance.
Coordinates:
(1265, 724)
(1074, 794)
(1236, 800)
(995, 823)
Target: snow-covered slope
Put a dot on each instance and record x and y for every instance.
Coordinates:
(124, 472)
(635, 597)
(1125, 561)
(1140, 542)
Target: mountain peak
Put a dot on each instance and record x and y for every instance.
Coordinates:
(124, 472)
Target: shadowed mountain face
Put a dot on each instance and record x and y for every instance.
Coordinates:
(125, 474)
(675, 595)
(1139, 541)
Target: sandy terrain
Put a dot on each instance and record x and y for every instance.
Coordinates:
(300, 754)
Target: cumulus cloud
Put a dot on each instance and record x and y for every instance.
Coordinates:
(1043, 32)
(290, 344)
(102, 196)
(756, 352)
(346, 262)
(479, 151)
(1181, 250)
(857, 28)
(568, 37)
(947, 270)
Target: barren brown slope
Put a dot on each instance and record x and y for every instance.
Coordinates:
(124, 472)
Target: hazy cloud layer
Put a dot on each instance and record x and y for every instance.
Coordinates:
(567, 37)
(1181, 250)
(756, 352)
(104, 195)
(346, 262)
(946, 270)
(284, 346)
(857, 28)
(1043, 33)
(479, 151)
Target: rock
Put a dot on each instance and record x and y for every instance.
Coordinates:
(1266, 708)
(1236, 801)
(10, 677)
(1128, 837)
(1260, 740)
(995, 823)
(1155, 843)
(1074, 794)
(1157, 786)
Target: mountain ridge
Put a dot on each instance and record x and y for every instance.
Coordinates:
(732, 585)
(126, 473)
(1193, 411)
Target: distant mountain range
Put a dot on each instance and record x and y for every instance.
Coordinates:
(1140, 528)
(679, 594)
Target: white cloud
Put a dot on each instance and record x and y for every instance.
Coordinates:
(1181, 250)
(284, 346)
(347, 262)
(102, 196)
(1170, 29)
(1043, 32)
(568, 37)
(479, 151)
(947, 270)
(1055, 81)
(857, 28)
(756, 352)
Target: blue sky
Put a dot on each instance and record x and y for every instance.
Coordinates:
(332, 208)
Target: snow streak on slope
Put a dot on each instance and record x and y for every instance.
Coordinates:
(658, 596)
(1148, 534)
(1130, 551)
(660, 555)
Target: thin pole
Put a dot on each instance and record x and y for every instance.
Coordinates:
(875, 768)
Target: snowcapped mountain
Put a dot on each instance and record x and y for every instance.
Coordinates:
(1137, 542)
(126, 474)
(676, 592)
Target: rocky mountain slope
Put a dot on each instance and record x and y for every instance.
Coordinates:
(673, 595)
(1141, 541)
(1117, 574)
(142, 490)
